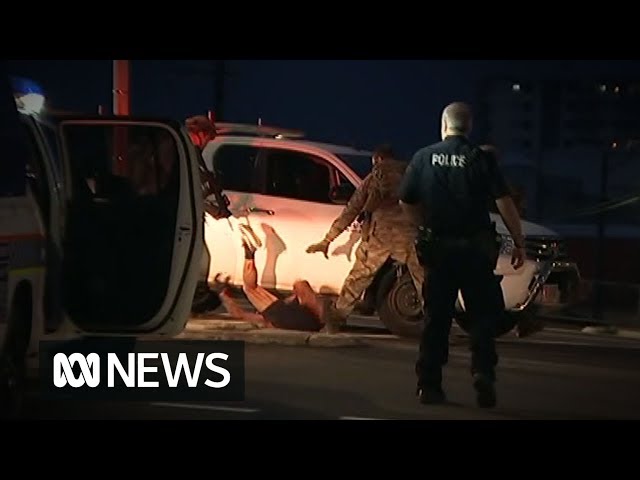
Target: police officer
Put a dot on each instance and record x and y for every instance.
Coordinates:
(452, 182)
(202, 131)
(386, 232)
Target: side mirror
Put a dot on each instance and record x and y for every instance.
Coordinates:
(340, 194)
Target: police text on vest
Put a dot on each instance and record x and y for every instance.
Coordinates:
(446, 160)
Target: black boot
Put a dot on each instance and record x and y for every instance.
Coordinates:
(431, 395)
(332, 319)
(485, 391)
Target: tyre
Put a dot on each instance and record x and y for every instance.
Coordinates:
(398, 303)
(13, 359)
(507, 322)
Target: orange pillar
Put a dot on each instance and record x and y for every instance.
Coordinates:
(121, 85)
(121, 106)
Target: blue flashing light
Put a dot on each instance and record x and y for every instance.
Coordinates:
(28, 94)
(24, 86)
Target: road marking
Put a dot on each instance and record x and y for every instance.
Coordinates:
(206, 407)
(595, 343)
(360, 418)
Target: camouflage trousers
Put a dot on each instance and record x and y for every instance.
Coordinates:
(370, 257)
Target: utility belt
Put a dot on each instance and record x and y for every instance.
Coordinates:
(431, 245)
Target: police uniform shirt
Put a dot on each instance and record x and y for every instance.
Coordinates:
(452, 181)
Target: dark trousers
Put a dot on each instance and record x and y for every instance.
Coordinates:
(466, 268)
(205, 265)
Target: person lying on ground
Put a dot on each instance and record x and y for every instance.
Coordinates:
(301, 311)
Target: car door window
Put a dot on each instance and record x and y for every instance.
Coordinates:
(298, 176)
(235, 165)
(37, 176)
(125, 200)
(54, 149)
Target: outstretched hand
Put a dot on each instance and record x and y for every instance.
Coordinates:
(216, 211)
(322, 247)
(517, 258)
(222, 283)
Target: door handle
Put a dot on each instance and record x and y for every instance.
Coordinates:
(260, 210)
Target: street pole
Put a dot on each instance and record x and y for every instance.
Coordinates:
(121, 104)
(598, 311)
(537, 150)
(121, 85)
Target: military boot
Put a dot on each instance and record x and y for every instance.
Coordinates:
(333, 319)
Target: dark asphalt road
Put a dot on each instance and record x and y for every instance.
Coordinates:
(553, 375)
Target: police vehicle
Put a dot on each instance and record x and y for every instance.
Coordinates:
(290, 189)
(89, 208)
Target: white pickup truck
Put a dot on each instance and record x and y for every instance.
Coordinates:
(290, 190)
(100, 231)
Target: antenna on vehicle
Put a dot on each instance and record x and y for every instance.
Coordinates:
(224, 128)
(259, 121)
(100, 110)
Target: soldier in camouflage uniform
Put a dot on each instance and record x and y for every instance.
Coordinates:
(202, 131)
(386, 232)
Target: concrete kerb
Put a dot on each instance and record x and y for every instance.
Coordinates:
(247, 332)
(197, 325)
(611, 330)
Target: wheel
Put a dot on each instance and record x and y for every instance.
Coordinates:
(398, 304)
(507, 322)
(13, 360)
(12, 385)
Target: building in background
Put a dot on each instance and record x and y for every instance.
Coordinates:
(553, 135)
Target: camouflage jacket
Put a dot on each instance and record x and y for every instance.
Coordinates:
(377, 199)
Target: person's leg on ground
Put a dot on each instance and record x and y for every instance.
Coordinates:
(308, 298)
(238, 312)
(260, 298)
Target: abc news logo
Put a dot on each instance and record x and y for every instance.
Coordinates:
(169, 370)
(135, 377)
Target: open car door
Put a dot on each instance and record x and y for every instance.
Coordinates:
(132, 238)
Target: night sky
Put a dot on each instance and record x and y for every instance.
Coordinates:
(360, 103)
